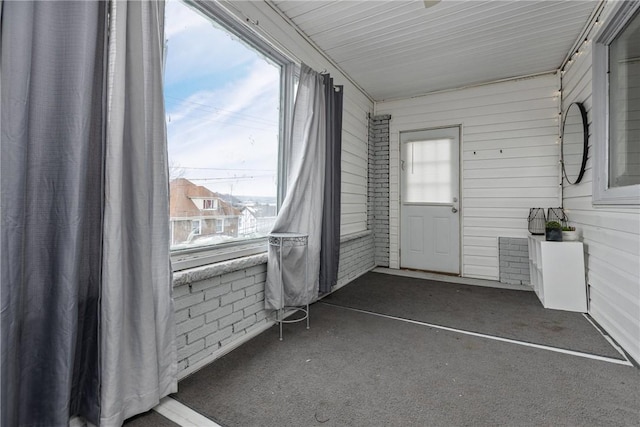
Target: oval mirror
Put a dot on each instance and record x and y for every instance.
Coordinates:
(575, 138)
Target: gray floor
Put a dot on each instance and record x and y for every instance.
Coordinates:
(359, 369)
(506, 313)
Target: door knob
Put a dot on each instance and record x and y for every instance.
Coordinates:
(454, 210)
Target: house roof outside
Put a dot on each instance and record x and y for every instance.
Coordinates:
(181, 201)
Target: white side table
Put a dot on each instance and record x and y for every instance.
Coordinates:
(557, 274)
(289, 240)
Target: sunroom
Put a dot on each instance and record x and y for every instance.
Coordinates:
(156, 154)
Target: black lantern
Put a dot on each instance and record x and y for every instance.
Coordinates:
(537, 221)
(557, 215)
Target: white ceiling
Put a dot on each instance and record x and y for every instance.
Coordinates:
(399, 48)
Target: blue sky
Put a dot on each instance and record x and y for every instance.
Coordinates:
(222, 107)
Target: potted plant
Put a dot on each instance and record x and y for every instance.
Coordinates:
(569, 234)
(553, 231)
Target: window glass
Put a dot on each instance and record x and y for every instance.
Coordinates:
(624, 106)
(223, 101)
(427, 171)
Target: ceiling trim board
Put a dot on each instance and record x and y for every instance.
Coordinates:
(588, 26)
(318, 49)
(487, 83)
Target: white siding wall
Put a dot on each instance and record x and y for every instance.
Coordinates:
(509, 160)
(611, 234)
(356, 107)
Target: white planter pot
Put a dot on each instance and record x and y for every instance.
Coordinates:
(570, 236)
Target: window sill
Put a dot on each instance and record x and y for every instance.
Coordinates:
(204, 257)
(204, 272)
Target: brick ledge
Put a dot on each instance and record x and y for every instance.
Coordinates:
(208, 271)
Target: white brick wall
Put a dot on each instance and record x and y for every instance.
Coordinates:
(514, 260)
(217, 304)
(213, 311)
(356, 257)
(378, 193)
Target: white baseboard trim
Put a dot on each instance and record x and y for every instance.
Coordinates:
(451, 279)
(607, 337)
(182, 414)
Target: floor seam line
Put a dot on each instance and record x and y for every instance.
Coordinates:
(490, 337)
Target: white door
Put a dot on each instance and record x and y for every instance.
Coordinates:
(429, 211)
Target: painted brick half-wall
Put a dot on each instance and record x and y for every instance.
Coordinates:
(379, 186)
(514, 260)
(216, 305)
(356, 257)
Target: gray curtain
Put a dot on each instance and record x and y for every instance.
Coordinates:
(87, 324)
(51, 177)
(301, 209)
(138, 357)
(330, 241)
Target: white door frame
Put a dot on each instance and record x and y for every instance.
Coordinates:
(460, 188)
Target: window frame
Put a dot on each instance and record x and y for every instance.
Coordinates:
(621, 14)
(182, 259)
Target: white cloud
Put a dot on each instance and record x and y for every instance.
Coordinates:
(195, 46)
(180, 18)
(222, 107)
(233, 127)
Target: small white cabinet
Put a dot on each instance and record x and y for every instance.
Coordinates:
(557, 274)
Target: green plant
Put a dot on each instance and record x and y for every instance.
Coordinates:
(553, 225)
(568, 228)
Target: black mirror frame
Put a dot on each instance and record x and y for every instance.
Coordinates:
(585, 146)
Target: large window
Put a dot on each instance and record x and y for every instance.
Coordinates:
(617, 108)
(227, 97)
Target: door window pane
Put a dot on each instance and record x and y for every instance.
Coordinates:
(427, 171)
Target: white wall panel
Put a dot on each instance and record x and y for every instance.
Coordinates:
(275, 29)
(509, 160)
(611, 233)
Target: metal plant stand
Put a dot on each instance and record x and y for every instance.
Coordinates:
(289, 240)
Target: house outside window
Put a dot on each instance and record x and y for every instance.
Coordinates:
(210, 204)
(616, 108)
(228, 97)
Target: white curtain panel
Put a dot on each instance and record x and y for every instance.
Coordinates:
(138, 355)
(301, 209)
